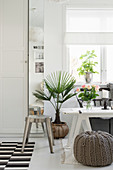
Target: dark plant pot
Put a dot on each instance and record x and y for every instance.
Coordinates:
(60, 130)
(88, 77)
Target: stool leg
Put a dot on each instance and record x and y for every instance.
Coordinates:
(49, 133)
(29, 129)
(52, 133)
(36, 124)
(25, 132)
(43, 126)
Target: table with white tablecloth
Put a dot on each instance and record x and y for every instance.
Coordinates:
(81, 119)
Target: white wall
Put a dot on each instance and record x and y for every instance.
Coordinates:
(53, 42)
(91, 3)
(35, 79)
(36, 19)
(53, 36)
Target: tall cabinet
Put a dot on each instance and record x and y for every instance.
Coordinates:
(13, 65)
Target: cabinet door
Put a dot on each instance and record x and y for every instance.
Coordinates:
(13, 65)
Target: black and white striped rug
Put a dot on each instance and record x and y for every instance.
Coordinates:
(11, 157)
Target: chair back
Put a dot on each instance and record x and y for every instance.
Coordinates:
(97, 102)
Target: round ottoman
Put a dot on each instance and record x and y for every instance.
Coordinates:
(94, 148)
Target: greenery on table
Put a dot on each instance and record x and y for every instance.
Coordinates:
(58, 89)
(88, 92)
(88, 64)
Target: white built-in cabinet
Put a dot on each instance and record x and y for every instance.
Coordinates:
(13, 65)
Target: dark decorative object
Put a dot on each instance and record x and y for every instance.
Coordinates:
(94, 148)
(58, 89)
(39, 67)
(105, 104)
(60, 130)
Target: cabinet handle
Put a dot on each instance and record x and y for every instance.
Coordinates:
(25, 61)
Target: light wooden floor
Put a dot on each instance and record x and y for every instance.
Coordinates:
(43, 160)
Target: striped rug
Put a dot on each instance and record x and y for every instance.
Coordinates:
(11, 157)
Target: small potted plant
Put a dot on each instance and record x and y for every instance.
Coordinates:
(58, 89)
(87, 67)
(86, 93)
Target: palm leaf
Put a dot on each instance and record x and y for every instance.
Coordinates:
(69, 88)
(59, 86)
(67, 97)
(59, 81)
(41, 95)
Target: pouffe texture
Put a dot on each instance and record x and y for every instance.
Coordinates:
(94, 148)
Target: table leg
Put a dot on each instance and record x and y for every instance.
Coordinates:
(77, 129)
(86, 124)
(73, 126)
(81, 122)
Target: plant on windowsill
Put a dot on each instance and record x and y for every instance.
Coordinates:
(87, 67)
(58, 89)
(87, 93)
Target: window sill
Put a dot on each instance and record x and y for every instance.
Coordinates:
(103, 85)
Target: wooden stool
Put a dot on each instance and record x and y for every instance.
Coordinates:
(36, 110)
(38, 119)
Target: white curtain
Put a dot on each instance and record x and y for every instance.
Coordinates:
(92, 38)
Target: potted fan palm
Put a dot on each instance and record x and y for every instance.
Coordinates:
(88, 64)
(58, 89)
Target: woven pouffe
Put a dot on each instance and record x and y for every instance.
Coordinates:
(94, 148)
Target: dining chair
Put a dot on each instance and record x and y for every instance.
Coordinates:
(101, 103)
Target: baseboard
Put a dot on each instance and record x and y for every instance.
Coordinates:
(39, 135)
(35, 133)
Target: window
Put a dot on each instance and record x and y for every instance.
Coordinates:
(89, 20)
(86, 30)
(75, 52)
(109, 63)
